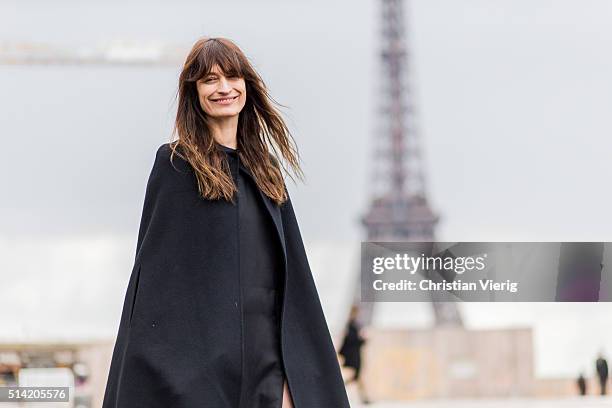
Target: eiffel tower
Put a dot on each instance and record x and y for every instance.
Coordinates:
(399, 210)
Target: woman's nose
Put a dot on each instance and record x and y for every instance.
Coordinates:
(224, 85)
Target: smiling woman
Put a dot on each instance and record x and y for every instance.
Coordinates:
(221, 309)
(220, 95)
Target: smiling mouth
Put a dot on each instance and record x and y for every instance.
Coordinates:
(225, 100)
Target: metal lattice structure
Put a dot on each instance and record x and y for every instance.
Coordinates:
(399, 210)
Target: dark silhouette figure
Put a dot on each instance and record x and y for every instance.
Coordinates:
(580, 266)
(601, 365)
(351, 351)
(581, 382)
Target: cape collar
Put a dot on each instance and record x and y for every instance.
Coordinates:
(271, 206)
(232, 155)
(227, 149)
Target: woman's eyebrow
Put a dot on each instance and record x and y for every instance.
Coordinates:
(229, 74)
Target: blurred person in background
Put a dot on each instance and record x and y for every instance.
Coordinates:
(601, 367)
(580, 267)
(351, 351)
(581, 383)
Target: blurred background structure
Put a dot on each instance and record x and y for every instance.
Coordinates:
(446, 360)
(512, 99)
(399, 210)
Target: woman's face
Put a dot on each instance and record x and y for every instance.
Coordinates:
(221, 96)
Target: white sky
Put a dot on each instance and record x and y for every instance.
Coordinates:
(513, 103)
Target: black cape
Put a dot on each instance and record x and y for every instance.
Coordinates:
(180, 333)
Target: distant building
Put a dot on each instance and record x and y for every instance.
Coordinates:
(88, 363)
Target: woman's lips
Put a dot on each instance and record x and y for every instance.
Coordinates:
(225, 101)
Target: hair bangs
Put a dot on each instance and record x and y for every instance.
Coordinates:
(215, 52)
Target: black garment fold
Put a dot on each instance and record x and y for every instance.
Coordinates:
(179, 342)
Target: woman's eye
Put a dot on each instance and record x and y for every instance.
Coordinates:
(212, 79)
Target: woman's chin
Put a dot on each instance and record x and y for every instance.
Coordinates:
(225, 113)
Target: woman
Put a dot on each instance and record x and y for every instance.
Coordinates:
(221, 309)
(351, 351)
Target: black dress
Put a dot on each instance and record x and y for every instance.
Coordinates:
(261, 283)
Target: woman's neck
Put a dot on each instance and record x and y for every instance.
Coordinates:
(224, 131)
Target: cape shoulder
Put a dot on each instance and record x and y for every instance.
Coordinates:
(167, 178)
(171, 173)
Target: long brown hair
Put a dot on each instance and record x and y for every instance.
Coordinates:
(260, 127)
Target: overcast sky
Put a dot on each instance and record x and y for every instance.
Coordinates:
(513, 103)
